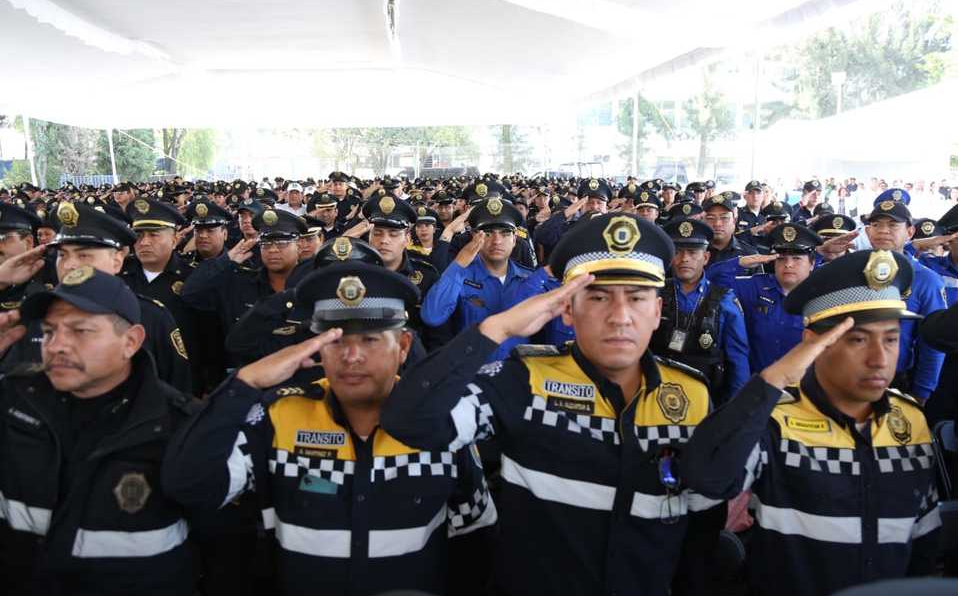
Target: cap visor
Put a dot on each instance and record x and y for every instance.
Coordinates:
(35, 307)
(867, 316)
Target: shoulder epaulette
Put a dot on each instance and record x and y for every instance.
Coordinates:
(424, 264)
(905, 397)
(522, 232)
(532, 350)
(790, 395)
(186, 404)
(685, 368)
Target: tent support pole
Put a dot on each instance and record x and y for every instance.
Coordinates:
(109, 141)
(30, 156)
(635, 133)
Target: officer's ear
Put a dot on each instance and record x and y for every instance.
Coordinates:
(133, 339)
(708, 256)
(405, 344)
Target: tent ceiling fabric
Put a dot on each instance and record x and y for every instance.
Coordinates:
(223, 63)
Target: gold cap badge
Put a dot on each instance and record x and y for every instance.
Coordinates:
(621, 235)
(78, 276)
(881, 269)
(351, 290)
(68, 214)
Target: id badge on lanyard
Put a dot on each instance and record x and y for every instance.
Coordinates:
(677, 341)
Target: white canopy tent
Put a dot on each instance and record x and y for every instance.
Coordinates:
(327, 63)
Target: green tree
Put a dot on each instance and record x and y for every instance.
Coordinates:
(172, 142)
(650, 120)
(135, 157)
(514, 151)
(885, 54)
(197, 151)
(708, 116)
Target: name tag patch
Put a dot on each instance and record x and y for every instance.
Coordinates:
(573, 390)
(322, 438)
(574, 406)
(812, 426)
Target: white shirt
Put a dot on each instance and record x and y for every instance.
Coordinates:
(285, 207)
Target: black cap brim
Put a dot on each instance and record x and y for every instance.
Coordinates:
(35, 307)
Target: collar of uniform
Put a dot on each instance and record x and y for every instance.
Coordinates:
(700, 288)
(651, 378)
(480, 267)
(813, 390)
(733, 246)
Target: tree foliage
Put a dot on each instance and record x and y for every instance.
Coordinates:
(134, 160)
(197, 151)
(883, 55)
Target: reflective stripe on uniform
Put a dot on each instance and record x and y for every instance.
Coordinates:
(108, 543)
(826, 528)
(237, 469)
(392, 543)
(659, 506)
(337, 543)
(23, 517)
(576, 493)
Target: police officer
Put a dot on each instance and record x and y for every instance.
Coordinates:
(354, 510)
(482, 279)
(389, 220)
(591, 500)
(83, 438)
(772, 331)
(942, 235)
(720, 216)
(889, 228)
(209, 222)
(323, 206)
(91, 237)
(809, 204)
(18, 227)
(592, 196)
(841, 467)
(523, 252)
(156, 270)
(647, 206)
(703, 325)
(750, 215)
(830, 226)
(226, 286)
(278, 321)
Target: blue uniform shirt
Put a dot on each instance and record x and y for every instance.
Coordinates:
(948, 272)
(470, 295)
(927, 296)
(554, 332)
(772, 332)
(732, 339)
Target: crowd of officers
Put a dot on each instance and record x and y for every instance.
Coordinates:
(492, 385)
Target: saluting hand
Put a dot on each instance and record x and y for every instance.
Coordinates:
(528, 317)
(21, 268)
(749, 261)
(242, 251)
(924, 244)
(359, 229)
(468, 252)
(572, 209)
(790, 368)
(279, 366)
(835, 247)
(10, 329)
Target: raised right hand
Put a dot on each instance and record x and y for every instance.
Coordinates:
(279, 366)
(468, 252)
(528, 317)
(790, 368)
(749, 261)
(21, 268)
(10, 329)
(242, 251)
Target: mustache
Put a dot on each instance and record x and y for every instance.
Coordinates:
(63, 363)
